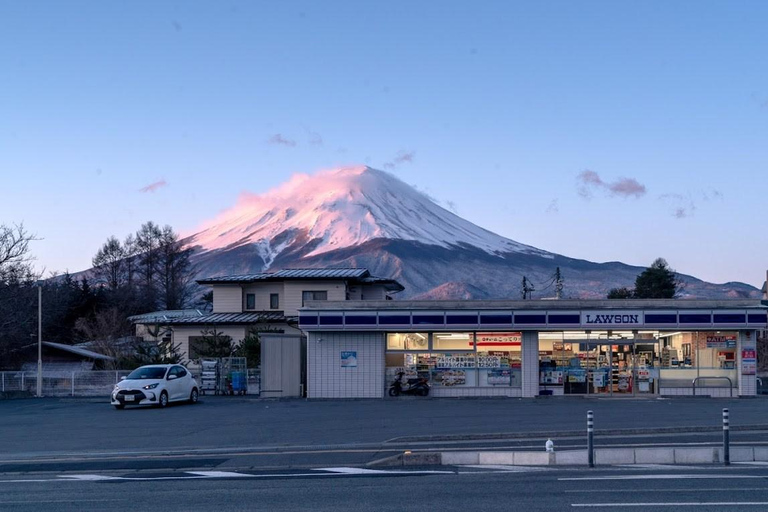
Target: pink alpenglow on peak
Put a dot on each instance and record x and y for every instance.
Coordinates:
(341, 208)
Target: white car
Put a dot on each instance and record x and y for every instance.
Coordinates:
(156, 384)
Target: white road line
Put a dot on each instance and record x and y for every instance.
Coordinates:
(218, 474)
(678, 504)
(91, 478)
(505, 468)
(661, 490)
(363, 471)
(668, 467)
(752, 463)
(661, 477)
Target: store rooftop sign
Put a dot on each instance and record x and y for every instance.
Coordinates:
(612, 318)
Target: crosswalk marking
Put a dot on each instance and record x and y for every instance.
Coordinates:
(218, 474)
(91, 478)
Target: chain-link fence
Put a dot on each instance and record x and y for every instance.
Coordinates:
(91, 383)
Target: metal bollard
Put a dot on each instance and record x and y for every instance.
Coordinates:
(590, 439)
(726, 438)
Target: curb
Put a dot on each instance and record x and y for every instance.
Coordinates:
(603, 457)
(574, 433)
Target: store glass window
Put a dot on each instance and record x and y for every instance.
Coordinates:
(408, 341)
(456, 359)
(706, 355)
(453, 341)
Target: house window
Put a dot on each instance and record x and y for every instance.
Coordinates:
(274, 301)
(313, 295)
(250, 301)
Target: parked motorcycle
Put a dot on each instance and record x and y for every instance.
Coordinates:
(414, 386)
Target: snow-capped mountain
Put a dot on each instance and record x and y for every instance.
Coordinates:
(363, 217)
(344, 208)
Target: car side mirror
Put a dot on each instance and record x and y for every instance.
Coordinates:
(122, 378)
(171, 377)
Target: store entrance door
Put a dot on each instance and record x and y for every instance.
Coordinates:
(611, 369)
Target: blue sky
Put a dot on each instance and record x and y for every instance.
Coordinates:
(598, 130)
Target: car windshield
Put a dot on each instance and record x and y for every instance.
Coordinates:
(147, 373)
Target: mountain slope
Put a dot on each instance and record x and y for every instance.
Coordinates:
(363, 217)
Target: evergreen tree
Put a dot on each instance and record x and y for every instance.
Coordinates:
(620, 293)
(658, 281)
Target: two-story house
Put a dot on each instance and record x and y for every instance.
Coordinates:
(265, 301)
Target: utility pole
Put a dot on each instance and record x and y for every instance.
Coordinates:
(558, 284)
(39, 339)
(527, 288)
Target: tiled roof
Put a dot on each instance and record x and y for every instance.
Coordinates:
(229, 318)
(161, 316)
(296, 273)
(78, 351)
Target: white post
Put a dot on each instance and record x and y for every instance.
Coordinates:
(39, 339)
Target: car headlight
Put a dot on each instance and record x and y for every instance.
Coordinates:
(151, 386)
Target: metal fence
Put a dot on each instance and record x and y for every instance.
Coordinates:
(83, 384)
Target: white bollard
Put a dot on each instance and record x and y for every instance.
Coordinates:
(549, 445)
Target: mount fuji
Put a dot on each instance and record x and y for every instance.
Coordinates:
(363, 217)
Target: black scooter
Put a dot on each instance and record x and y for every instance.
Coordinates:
(416, 386)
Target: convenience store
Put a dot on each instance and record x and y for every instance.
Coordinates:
(529, 348)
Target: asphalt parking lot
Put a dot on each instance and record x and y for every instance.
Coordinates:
(33, 427)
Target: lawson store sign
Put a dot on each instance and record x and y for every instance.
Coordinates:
(612, 319)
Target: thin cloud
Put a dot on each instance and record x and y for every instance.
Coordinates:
(315, 139)
(153, 186)
(278, 139)
(627, 187)
(402, 157)
(553, 207)
(589, 181)
(680, 206)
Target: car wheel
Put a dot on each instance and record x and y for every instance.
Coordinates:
(193, 396)
(163, 402)
(119, 406)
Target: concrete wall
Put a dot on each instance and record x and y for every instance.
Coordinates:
(227, 298)
(530, 363)
(326, 378)
(337, 290)
(262, 291)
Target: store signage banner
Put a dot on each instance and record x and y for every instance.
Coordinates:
(727, 341)
(612, 318)
(491, 339)
(748, 361)
(349, 359)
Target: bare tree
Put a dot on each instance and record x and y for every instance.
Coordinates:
(109, 263)
(15, 261)
(175, 271)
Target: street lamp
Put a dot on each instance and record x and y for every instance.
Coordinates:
(39, 339)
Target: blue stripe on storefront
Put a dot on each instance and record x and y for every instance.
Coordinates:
(530, 319)
(564, 319)
(656, 318)
(496, 319)
(461, 319)
(394, 319)
(695, 318)
(360, 320)
(730, 318)
(331, 320)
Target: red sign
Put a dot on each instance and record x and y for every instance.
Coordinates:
(498, 339)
